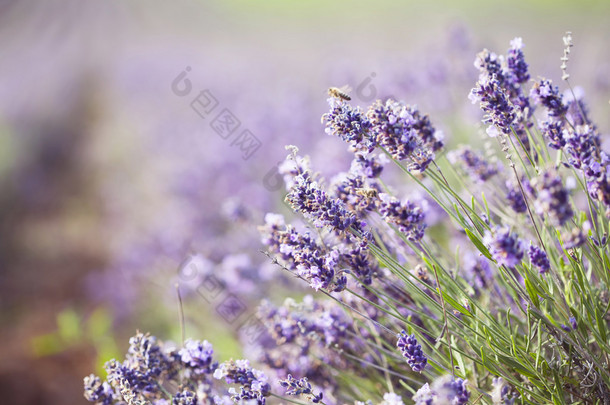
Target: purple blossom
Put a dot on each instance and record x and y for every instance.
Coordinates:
(489, 64)
(495, 103)
(598, 180)
(307, 337)
(149, 366)
(293, 321)
(508, 74)
(501, 392)
(552, 198)
(475, 164)
(144, 365)
(315, 263)
(300, 387)
(408, 216)
(308, 198)
(369, 166)
(445, 390)
(573, 322)
(479, 273)
(539, 258)
(505, 247)
(358, 194)
(515, 197)
(98, 391)
(185, 397)
(360, 261)
(544, 93)
(516, 62)
(412, 351)
(553, 131)
(457, 387)
(404, 133)
(253, 383)
(348, 123)
(582, 146)
(424, 395)
(198, 356)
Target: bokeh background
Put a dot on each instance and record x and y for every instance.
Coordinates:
(111, 184)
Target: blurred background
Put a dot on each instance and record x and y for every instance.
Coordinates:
(139, 144)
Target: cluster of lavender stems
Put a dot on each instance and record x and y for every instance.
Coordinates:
(377, 266)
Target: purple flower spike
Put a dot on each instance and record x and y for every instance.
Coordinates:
(198, 355)
(516, 62)
(539, 259)
(496, 104)
(544, 93)
(408, 216)
(505, 247)
(412, 351)
(300, 387)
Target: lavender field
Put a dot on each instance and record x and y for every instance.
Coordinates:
(390, 203)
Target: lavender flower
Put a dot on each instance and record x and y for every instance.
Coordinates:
(348, 123)
(144, 365)
(313, 262)
(539, 258)
(515, 197)
(253, 383)
(544, 93)
(445, 390)
(582, 145)
(390, 398)
(307, 337)
(495, 103)
(408, 216)
(356, 192)
(412, 351)
(185, 397)
(198, 356)
(573, 323)
(598, 179)
(505, 247)
(404, 133)
(370, 166)
(501, 392)
(309, 199)
(300, 387)
(456, 391)
(552, 198)
(489, 64)
(424, 395)
(479, 273)
(553, 131)
(516, 62)
(98, 391)
(149, 368)
(475, 164)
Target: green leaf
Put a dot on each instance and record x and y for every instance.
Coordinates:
(531, 291)
(477, 242)
(455, 304)
(600, 324)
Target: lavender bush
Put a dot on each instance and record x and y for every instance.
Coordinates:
(503, 299)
